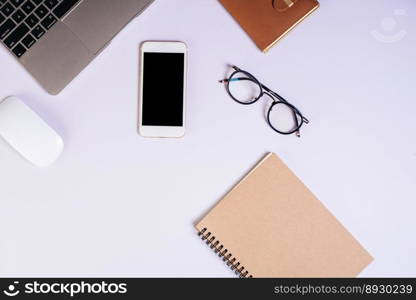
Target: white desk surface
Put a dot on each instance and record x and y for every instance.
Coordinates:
(116, 204)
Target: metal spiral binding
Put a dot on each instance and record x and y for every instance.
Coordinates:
(224, 254)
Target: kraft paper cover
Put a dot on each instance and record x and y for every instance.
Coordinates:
(273, 226)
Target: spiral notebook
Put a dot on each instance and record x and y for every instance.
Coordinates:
(271, 225)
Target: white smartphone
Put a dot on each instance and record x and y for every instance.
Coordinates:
(162, 89)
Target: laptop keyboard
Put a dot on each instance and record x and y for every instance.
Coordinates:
(24, 22)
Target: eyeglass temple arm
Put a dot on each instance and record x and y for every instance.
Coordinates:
(273, 93)
(227, 80)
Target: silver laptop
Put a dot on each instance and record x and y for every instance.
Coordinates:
(56, 39)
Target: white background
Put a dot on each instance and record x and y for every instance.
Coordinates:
(116, 204)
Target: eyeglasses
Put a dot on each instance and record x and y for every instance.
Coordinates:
(282, 116)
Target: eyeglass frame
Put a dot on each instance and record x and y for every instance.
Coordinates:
(276, 98)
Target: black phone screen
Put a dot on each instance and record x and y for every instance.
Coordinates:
(163, 89)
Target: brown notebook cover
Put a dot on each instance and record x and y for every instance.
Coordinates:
(271, 225)
(267, 21)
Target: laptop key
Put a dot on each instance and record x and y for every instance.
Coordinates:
(32, 20)
(28, 7)
(2, 18)
(37, 2)
(7, 9)
(38, 31)
(17, 3)
(18, 16)
(28, 41)
(19, 50)
(51, 3)
(16, 35)
(6, 28)
(64, 7)
(41, 11)
(48, 22)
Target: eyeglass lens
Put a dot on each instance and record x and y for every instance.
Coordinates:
(284, 118)
(244, 88)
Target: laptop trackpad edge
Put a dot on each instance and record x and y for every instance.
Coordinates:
(96, 22)
(57, 58)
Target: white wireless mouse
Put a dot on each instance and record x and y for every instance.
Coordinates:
(28, 134)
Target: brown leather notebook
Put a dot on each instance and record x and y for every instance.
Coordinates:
(271, 225)
(267, 21)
